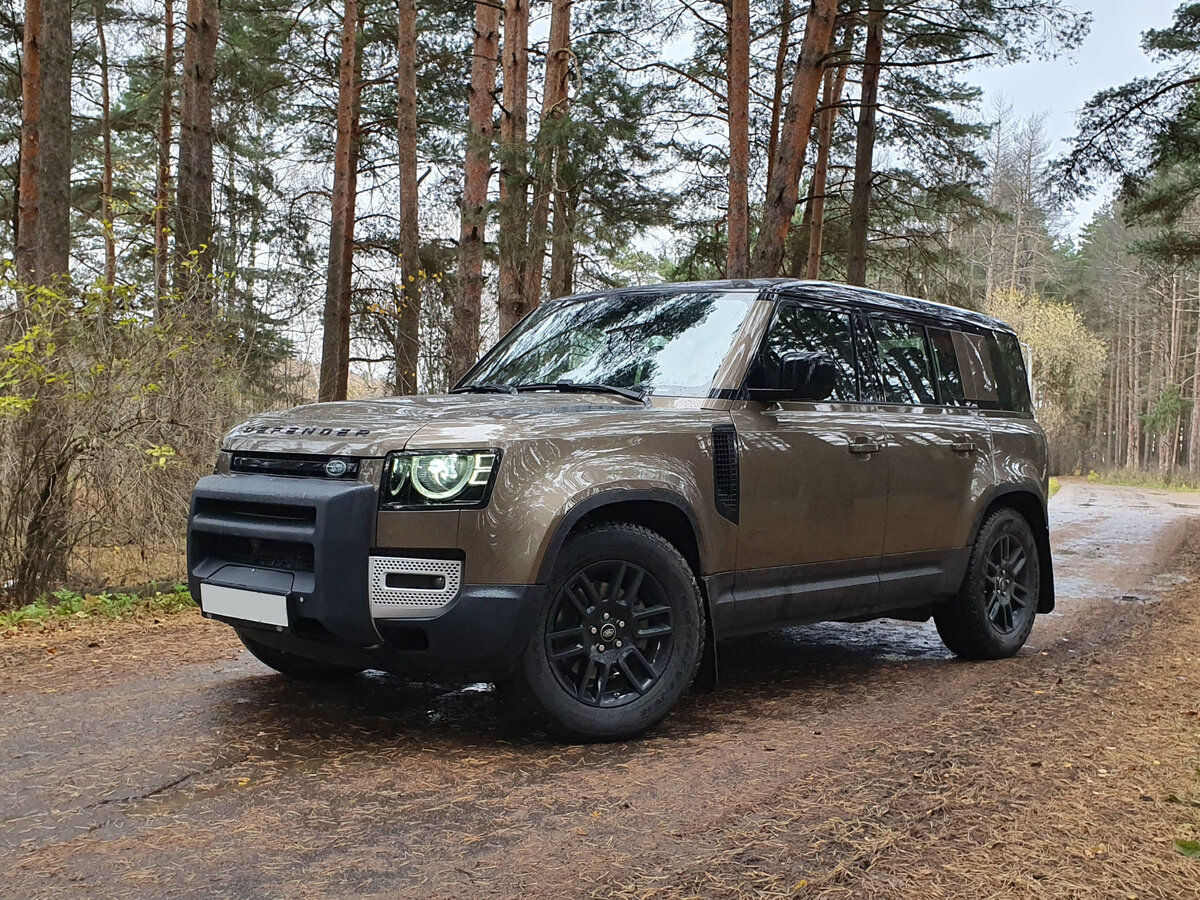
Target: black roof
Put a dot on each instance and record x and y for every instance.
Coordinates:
(831, 292)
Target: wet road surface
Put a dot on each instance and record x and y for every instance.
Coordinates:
(171, 764)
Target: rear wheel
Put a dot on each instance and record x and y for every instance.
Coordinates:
(993, 614)
(298, 667)
(620, 634)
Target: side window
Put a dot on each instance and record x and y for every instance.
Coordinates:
(904, 363)
(804, 329)
(949, 371)
(1009, 366)
(975, 363)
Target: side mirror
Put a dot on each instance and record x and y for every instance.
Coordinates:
(803, 376)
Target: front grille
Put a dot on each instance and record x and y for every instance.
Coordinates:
(293, 556)
(726, 472)
(295, 465)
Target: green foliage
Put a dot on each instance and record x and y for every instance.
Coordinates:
(65, 604)
(1190, 849)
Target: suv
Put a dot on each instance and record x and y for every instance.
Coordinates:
(627, 478)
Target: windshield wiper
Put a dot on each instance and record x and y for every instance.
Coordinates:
(572, 387)
(485, 389)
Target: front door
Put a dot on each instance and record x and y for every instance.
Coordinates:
(814, 484)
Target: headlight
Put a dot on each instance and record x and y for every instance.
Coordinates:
(459, 480)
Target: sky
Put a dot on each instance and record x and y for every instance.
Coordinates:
(1110, 55)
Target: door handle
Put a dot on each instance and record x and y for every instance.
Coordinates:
(964, 447)
(865, 447)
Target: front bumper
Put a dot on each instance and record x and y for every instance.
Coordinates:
(310, 540)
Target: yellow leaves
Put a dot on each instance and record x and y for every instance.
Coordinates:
(15, 406)
(160, 455)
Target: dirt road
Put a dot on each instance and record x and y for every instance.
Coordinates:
(834, 761)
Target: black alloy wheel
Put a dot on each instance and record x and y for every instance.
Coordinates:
(611, 633)
(1007, 583)
(620, 635)
(994, 611)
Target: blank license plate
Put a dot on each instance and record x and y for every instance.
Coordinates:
(252, 606)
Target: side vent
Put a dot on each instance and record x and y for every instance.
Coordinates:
(726, 476)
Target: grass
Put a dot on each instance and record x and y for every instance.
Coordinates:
(65, 605)
(1055, 486)
(1178, 481)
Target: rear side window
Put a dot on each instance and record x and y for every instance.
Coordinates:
(949, 370)
(1012, 387)
(805, 329)
(904, 363)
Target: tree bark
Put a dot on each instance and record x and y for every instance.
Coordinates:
(31, 131)
(106, 175)
(464, 338)
(335, 349)
(835, 81)
(193, 198)
(864, 152)
(781, 54)
(54, 145)
(562, 257)
(162, 178)
(514, 179)
(783, 189)
(1194, 435)
(737, 263)
(548, 147)
(409, 320)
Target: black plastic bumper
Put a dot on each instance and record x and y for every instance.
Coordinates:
(480, 636)
(310, 540)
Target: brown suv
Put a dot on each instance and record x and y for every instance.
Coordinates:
(631, 476)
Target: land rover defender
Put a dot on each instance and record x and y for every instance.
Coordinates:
(629, 477)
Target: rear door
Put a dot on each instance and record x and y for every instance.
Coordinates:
(814, 483)
(938, 455)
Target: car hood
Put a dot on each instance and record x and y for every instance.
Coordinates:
(373, 428)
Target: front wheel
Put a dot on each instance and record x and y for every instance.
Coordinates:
(993, 613)
(620, 634)
(300, 668)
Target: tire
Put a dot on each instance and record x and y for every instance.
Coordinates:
(619, 635)
(994, 611)
(299, 668)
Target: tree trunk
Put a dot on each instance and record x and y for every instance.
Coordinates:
(193, 198)
(835, 81)
(1133, 449)
(106, 176)
(864, 152)
(464, 338)
(1194, 436)
(549, 146)
(562, 257)
(783, 189)
(31, 131)
(335, 349)
(409, 323)
(737, 264)
(162, 178)
(781, 54)
(514, 180)
(54, 146)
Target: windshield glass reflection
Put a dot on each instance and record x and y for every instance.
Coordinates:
(670, 344)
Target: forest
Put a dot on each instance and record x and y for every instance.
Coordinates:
(221, 206)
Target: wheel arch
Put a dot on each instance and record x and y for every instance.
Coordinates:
(1026, 500)
(663, 512)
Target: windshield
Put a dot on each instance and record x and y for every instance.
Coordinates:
(669, 344)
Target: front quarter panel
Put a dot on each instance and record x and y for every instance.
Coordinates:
(664, 450)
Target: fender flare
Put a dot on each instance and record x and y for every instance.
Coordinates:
(1041, 534)
(610, 497)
